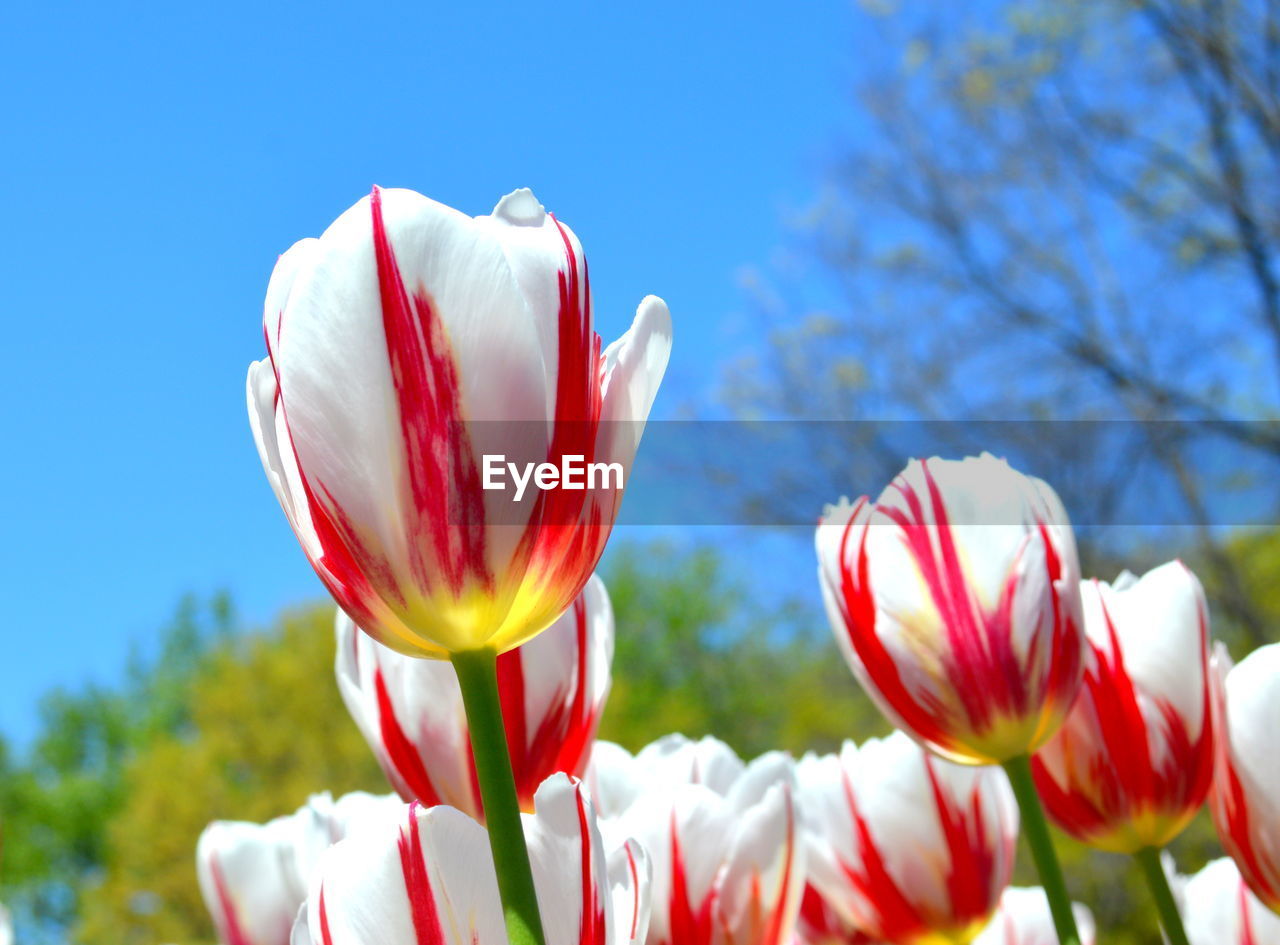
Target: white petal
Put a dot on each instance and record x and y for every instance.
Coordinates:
(1162, 623)
(1024, 918)
(613, 778)
(633, 366)
(765, 867)
(1253, 708)
(246, 877)
(1215, 904)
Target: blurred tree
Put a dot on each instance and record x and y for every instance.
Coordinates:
(1050, 211)
(266, 729)
(56, 801)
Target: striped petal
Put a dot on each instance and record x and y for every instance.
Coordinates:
(1134, 761)
(954, 598)
(905, 845)
(1246, 794)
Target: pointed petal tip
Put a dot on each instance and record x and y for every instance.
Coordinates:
(520, 208)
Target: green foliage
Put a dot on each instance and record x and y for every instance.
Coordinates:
(264, 728)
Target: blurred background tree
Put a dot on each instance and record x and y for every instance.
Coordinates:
(1050, 211)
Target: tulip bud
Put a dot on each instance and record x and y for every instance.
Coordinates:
(432, 879)
(955, 600)
(410, 349)
(905, 845)
(728, 867)
(1024, 919)
(1134, 760)
(1218, 908)
(1245, 799)
(254, 876)
(410, 710)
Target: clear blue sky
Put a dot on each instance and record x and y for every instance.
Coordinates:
(158, 157)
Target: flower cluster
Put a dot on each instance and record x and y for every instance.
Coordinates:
(407, 347)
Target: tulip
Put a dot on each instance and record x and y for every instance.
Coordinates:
(1024, 919)
(405, 345)
(431, 879)
(1245, 798)
(909, 848)
(6, 927)
(410, 710)
(1219, 909)
(415, 355)
(728, 865)
(254, 876)
(955, 599)
(1134, 761)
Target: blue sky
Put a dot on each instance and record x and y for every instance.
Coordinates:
(160, 156)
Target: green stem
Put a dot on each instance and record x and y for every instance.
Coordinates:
(478, 678)
(1170, 919)
(1036, 829)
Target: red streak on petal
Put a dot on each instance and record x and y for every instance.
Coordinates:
(326, 937)
(974, 879)
(1246, 918)
(895, 917)
(347, 568)
(591, 929)
(635, 892)
(417, 884)
(229, 918)
(568, 529)
(404, 767)
(774, 932)
(441, 499)
(859, 609)
(1236, 830)
(563, 737)
(1113, 775)
(688, 925)
(514, 712)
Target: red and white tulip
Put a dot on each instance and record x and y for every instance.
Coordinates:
(728, 864)
(1024, 919)
(1134, 761)
(1218, 908)
(254, 876)
(955, 598)
(431, 878)
(405, 345)
(553, 690)
(1245, 799)
(905, 845)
